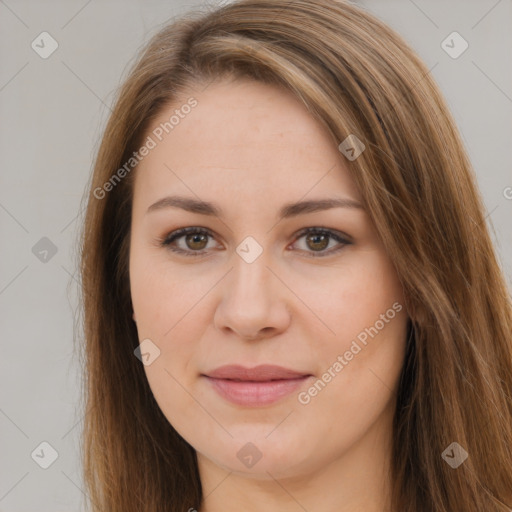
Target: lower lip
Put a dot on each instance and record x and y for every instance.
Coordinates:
(254, 394)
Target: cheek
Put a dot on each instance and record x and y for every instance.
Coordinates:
(359, 379)
(162, 295)
(360, 292)
(358, 373)
(170, 320)
(164, 304)
(360, 360)
(169, 308)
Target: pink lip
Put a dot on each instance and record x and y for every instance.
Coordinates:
(262, 385)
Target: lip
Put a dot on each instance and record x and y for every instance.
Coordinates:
(253, 387)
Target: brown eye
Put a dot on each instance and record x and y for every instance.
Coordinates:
(318, 239)
(317, 242)
(196, 241)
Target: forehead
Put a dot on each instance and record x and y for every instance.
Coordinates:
(241, 135)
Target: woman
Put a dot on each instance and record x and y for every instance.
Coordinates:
(291, 299)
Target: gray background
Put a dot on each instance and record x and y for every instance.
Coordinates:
(52, 112)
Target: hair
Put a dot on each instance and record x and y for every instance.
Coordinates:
(357, 77)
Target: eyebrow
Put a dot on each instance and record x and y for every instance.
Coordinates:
(288, 210)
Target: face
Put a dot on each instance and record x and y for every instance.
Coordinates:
(275, 333)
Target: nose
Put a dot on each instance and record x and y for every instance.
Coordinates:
(253, 302)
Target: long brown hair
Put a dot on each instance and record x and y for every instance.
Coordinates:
(357, 77)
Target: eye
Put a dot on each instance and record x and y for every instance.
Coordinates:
(318, 239)
(196, 241)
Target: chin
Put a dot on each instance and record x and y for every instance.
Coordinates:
(255, 453)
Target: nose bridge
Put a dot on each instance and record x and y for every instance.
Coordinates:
(251, 304)
(250, 274)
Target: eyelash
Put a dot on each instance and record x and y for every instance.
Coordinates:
(179, 233)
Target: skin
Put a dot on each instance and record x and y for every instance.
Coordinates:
(250, 148)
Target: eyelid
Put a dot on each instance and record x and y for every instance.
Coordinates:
(342, 238)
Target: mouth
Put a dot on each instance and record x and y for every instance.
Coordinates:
(253, 387)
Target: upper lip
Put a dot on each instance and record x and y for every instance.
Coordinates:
(264, 372)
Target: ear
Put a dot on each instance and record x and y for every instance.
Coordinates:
(133, 316)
